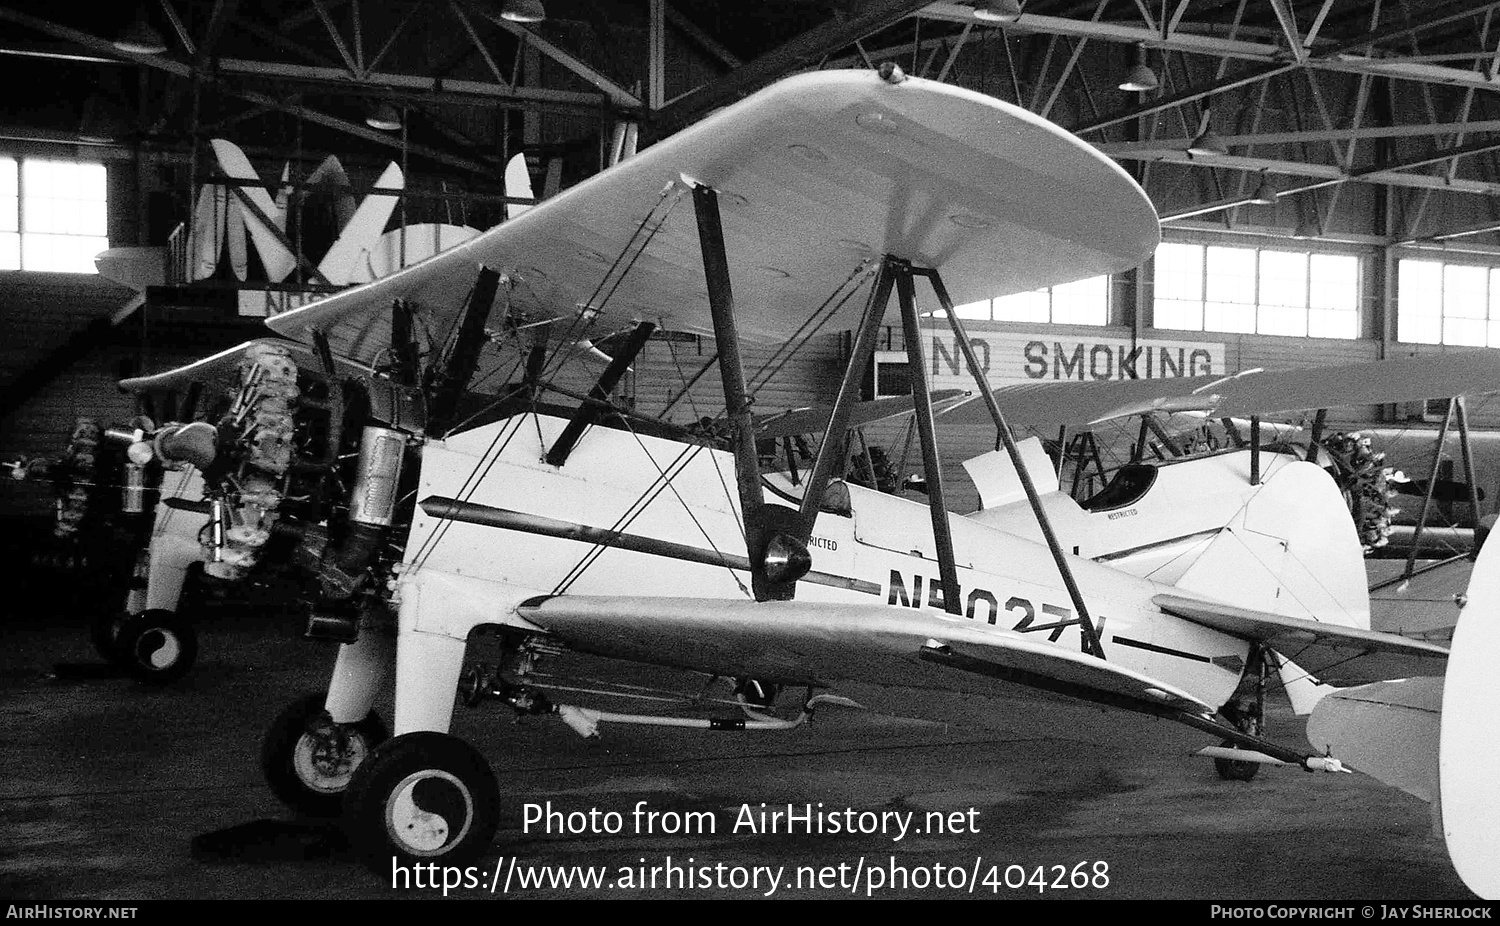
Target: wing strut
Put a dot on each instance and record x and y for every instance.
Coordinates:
(759, 535)
(1255, 450)
(1085, 623)
(405, 363)
(942, 534)
(1467, 448)
(1432, 478)
(589, 412)
(448, 379)
(831, 450)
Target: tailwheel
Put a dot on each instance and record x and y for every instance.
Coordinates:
(1247, 711)
(422, 797)
(308, 760)
(157, 647)
(756, 693)
(1233, 769)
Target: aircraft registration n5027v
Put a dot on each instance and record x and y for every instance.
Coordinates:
(427, 512)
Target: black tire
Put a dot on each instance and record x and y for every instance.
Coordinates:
(104, 631)
(157, 647)
(1234, 770)
(308, 760)
(422, 797)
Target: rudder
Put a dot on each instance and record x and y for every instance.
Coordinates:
(1291, 550)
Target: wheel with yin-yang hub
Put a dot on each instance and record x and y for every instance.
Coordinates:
(157, 647)
(422, 797)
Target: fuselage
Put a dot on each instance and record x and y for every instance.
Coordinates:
(875, 549)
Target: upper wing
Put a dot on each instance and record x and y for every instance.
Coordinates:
(815, 419)
(1317, 647)
(820, 644)
(815, 174)
(223, 368)
(1262, 392)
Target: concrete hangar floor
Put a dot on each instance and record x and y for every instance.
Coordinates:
(117, 792)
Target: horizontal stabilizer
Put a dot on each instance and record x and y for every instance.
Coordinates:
(1388, 730)
(1315, 645)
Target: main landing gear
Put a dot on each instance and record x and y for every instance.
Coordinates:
(422, 796)
(309, 761)
(1247, 711)
(157, 647)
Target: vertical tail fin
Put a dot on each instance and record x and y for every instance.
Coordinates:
(1291, 550)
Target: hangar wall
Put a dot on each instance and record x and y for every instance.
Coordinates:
(40, 313)
(1014, 66)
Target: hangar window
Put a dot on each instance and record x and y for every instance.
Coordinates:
(1256, 291)
(52, 215)
(1084, 302)
(1441, 303)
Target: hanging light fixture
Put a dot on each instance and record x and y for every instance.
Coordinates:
(1140, 77)
(1207, 143)
(384, 117)
(102, 120)
(523, 11)
(998, 11)
(140, 39)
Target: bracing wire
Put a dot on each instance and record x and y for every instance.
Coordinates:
(670, 195)
(696, 523)
(816, 321)
(633, 511)
(469, 486)
(817, 318)
(590, 310)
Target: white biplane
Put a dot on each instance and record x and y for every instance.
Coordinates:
(602, 530)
